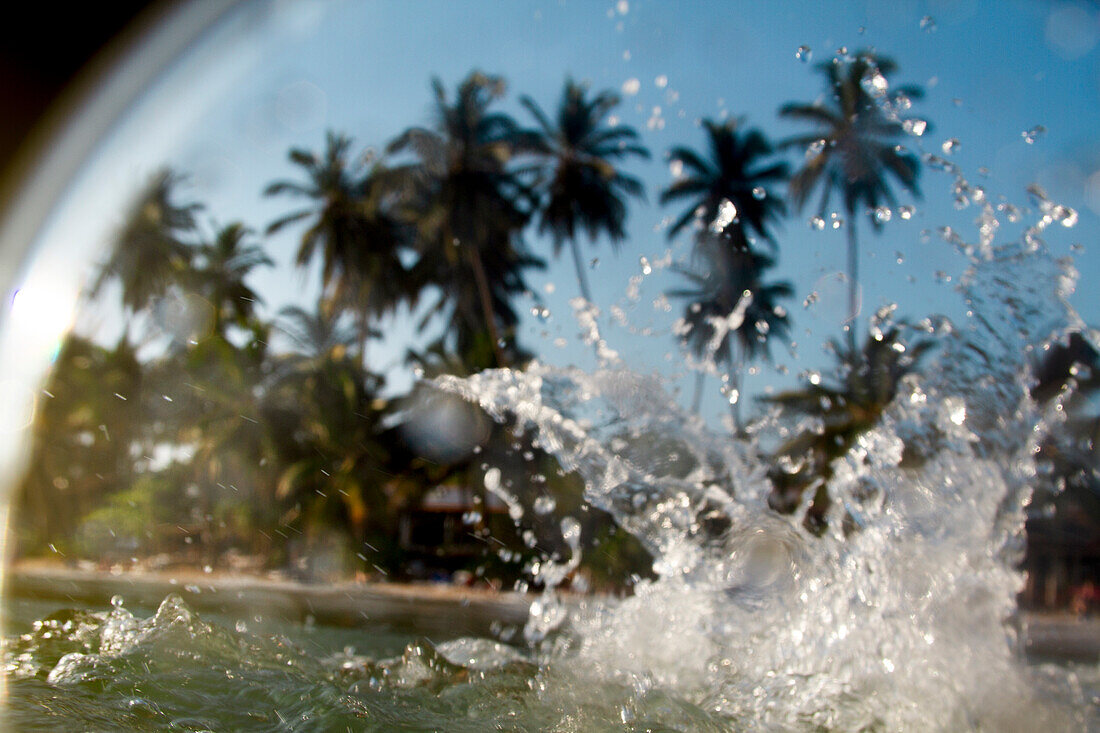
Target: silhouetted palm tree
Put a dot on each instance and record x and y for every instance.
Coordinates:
(735, 171)
(219, 276)
(865, 384)
(317, 334)
(854, 149)
(151, 251)
(583, 188)
(470, 213)
(374, 280)
(729, 305)
(352, 229)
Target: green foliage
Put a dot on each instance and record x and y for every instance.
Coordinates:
(134, 521)
(211, 428)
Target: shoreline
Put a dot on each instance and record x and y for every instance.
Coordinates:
(428, 608)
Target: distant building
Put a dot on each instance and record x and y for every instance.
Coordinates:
(1063, 553)
(439, 534)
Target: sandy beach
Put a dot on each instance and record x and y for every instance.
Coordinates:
(424, 607)
(430, 608)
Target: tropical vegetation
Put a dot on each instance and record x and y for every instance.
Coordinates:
(211, 428)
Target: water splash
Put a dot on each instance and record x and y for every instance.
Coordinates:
(899, 616)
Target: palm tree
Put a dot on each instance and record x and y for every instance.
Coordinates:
(220, 276)
(470, 213)
(735, 172)
(316, 335)
(730, 306)
(150, 251)
(583, 189)
(84, 435)
(353, 230)
(854, 149)
(867, 379)
(329, 452)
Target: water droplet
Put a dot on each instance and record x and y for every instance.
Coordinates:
(883, 214)
(676, 168)
(540, 312)
(804, 54)
(1030, 136)
(1011, 212)
(899, 257)
(631, 86)
(928, 24)
(545, 504)
(814, 149)
(116, 601)
(661, 81)
(874, 83)
(942, 277)
(1065, 215)
(818, 223)
(727, 213)
(950, 146)
(915, 127)
(241, 626)
(759, 193)
(647, 268)
(906, 212)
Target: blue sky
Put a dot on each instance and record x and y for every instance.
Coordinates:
(278, 75)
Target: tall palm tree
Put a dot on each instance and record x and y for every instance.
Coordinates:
(471, 208)
(854, 149)
(731, 315)
(583, 188)
(353, 229)
(220, 276)
(735, 171)
(151, 250)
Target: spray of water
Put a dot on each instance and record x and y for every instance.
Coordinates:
(900, 615)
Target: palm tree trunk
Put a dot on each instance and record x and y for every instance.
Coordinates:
(736, 364)
(586, 292)
(486, 301)
(697, 400)
(582, 277)
(363, 335)
(853, 280)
